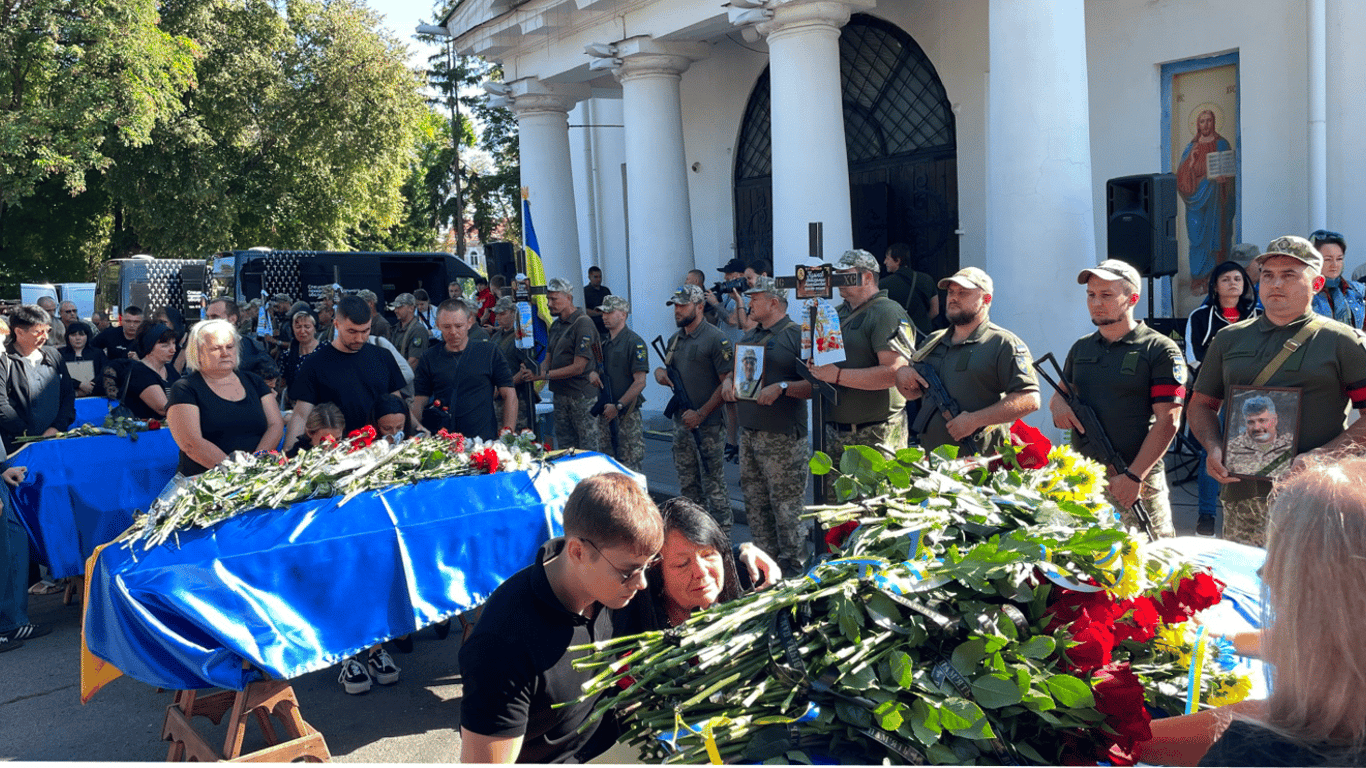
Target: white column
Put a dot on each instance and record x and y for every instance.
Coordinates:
(659, 215)
(1318, 115)
(810, 162)
(543, 126)
(1040, 223)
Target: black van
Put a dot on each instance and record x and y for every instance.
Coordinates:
(303, 274)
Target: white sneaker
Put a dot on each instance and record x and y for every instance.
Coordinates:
(354, 677)
(382, 667)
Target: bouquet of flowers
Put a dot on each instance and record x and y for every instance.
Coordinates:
(270, 480)
(968, 617)
(122, 426)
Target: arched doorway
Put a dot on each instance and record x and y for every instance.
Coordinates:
(900, 136)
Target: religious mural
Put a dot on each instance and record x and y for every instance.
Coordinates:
(1203, 132)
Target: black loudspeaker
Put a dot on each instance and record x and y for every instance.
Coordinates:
(1141, 222)
(501, 259)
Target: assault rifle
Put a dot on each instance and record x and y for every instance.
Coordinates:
(938, 400)
(1095, 434)
(680, 402)
(606, 397)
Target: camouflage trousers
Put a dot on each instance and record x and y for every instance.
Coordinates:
(891, 433)
(575, 427)
(521, 411)
(706, 488)
(630, 438)
(1245, 520)
(773, 473)
(1157, 501)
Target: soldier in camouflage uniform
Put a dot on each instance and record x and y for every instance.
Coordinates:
(626, 361)
(774, 448)
(1327, 363)
(878, 338)
(567, 365)
(1260, 448)
(703, 356)
(1134, 378)
(505, 337)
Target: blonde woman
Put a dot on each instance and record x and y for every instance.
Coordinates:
(216, 409)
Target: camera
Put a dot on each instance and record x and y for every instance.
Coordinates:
(726, 286)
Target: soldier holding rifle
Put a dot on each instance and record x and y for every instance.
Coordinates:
(983, 367)
(625, 362)
(701, 357)
(1134, 379)
(505, 337)
(567, 366)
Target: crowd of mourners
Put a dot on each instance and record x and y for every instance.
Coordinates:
(299, 374)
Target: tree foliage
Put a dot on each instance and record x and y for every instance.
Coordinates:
(300, 132)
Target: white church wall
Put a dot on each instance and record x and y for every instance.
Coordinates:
(1346, 115)
(597, 155)
(1127, 44)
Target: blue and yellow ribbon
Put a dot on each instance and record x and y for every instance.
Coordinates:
(1197, 670)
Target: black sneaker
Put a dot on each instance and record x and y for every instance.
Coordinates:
(1204, 525)
(27, 632)
(404, 644)
(383, 668)
(732, 453)
(354, 678)
(7, 644)
(443, 629)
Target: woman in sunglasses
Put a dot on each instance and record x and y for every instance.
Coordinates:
(1341, 298)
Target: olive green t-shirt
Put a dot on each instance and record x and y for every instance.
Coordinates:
(622, 358)
(569, 339)
(1122, 381)
(1329, 369)
(782, 354)
(868, 330)
(978, 371)
(515, 357)
(703, 358)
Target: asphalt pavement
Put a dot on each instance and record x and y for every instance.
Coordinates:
(416, 720)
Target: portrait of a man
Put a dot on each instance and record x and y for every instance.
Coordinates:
(747, 368)
(1260, 442)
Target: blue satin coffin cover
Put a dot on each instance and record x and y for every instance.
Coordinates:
(297, 590)
(82, 492)
(91, 410)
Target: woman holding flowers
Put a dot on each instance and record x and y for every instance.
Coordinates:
(216, 409)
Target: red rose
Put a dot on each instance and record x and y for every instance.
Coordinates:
(1033, 446)
(835, 536)
(1095, 641)
(1200, 591)
(1119, 696)
(1139, 620)
(1169, 607)
(153, 424)
(1069, 605)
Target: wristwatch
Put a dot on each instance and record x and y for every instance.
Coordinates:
(620, 407)
(783, 386)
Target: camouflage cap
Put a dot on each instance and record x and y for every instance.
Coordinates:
(404, 300)
(281, 298)
(686, 294)
(969, 277)
(614, 303)
(764, 284)
(857, 258)
(1244, 253)
(367, 295)
(505, 304)
(559, 285)
(1111, 269)
(1296, 248)
(749, 355)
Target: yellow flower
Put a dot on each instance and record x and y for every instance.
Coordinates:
(1172, 639)
(1231, 690)
(1131, 573)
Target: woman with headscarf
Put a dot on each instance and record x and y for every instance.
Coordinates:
(1231, 299)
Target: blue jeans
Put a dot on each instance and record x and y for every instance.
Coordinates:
(1209, 488)
(14, 569)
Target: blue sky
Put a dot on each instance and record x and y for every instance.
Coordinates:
(401, 16)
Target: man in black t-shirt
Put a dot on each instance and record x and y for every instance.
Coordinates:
(593, 295)
(464, 375)
(348, 372)
(516, 666)
(121, 341)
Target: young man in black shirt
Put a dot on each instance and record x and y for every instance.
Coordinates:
(464, 375)
(348, 372)
(593, 295)
(121, 341)
(516, 666)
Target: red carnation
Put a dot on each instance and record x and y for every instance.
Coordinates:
(1200, 591)
(1139, 620)
(153, 424)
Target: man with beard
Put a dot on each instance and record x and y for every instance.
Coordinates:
(878, 337)
(348, 372)
(703, 356)
(1261, 449)
(567, 366)
(985, 367)
(1135, 380)
(1288, 346)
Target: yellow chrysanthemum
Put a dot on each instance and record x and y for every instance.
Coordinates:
(1131, 573)
(1231, 690)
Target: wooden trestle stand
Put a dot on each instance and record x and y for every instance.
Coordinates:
(260, 700)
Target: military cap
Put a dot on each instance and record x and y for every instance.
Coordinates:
(1110, 269)
(686, 294)
(559, 285)
(857, 258)
(404, 300)
(749, 355)
(614, 303)
(367, 295)
(505, 304)
(969, 277)
(763, 284)
(1296, 248)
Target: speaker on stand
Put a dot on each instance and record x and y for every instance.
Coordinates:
(1140, 225)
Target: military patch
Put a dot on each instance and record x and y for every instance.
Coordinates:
(1022, 360)
(1179, 371)
(726, 351)
(640, 352)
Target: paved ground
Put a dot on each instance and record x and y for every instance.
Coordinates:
(417, 720)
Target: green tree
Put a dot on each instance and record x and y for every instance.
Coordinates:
(299, 135)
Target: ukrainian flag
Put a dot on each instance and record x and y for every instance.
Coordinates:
(535, 270)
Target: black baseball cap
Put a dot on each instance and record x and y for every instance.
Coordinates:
(734, 265)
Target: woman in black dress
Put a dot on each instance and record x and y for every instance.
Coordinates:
(150, 379)
(216, 409)
(78, 350)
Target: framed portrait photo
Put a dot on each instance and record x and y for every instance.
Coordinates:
(1261, 431)
(749, 370)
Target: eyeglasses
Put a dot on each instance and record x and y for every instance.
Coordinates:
(1325, 234)
(625, 575)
